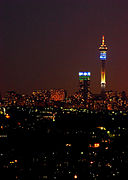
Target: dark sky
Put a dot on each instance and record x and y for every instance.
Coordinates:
(45, 43)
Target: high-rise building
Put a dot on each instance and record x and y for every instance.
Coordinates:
(103, 51)
(84, 78)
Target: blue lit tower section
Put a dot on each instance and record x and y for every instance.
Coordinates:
(84, 78)
(103, 51)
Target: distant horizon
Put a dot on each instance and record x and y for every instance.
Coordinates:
(45, 44)
(69, 93)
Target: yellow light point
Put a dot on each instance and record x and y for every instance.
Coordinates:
(103, 47)
(103, 77)
(75, 176)
(96, 145)
(7, 116)
(11, 162)
(68, 145)
(109, 165)
(102, 128)
(103, 40)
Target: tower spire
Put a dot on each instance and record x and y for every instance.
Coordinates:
(103, 40)
(103, 46)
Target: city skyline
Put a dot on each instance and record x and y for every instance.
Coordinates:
(44, 45)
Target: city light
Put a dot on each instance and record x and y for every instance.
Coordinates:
(84, 73)
(68, 145)
(102, 128)
(91, 162)
(96, 145)
(80, 73)
(75, 177)
(7, 116)
(84, 76)
(103, 56)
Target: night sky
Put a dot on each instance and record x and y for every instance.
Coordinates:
(45, 43)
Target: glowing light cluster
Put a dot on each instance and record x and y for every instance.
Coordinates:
(103, 55)
(103, 46)
(102, 128)
(103, 78)
(14, 161)
(75, 176)
(68, 145)
(91, 162)
(95, 145)
(7, 116)
(84, 73)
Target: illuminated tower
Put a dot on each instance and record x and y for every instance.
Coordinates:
(103, 50)
(84, 78)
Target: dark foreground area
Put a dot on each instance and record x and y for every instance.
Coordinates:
(61, 144)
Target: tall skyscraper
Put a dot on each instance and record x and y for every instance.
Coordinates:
(84, 78)
(103, 51)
